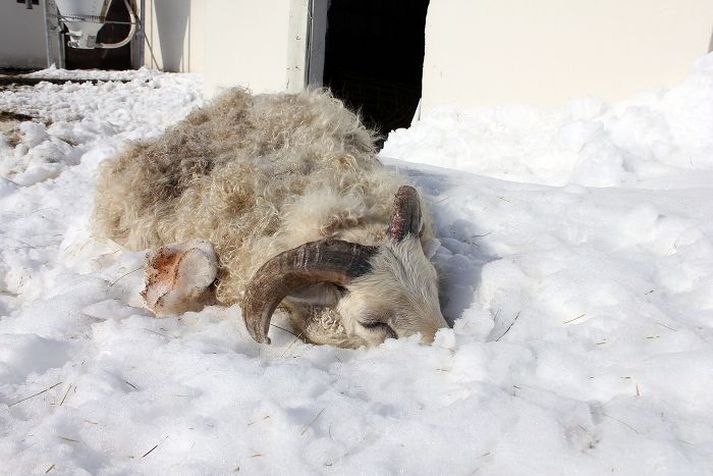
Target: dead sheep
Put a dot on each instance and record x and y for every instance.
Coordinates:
(275, 200)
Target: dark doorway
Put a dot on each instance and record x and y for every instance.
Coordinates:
(99, 58)
(374, 58)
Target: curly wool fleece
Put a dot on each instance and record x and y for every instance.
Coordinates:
(255, 176)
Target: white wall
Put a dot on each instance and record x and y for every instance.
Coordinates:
(232, 42)
(22, 36)
(487, 52)
(169, 26)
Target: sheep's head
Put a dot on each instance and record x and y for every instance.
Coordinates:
(378, 291)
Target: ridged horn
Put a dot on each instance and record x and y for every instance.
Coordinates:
(329, 260)
(406, 214)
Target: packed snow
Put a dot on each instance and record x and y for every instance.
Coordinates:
(83, 75)
(576, 257)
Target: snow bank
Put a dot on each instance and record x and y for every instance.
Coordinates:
(581, 290)
(646, 141)
(93, 74)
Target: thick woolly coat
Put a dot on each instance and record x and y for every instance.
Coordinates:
(255, 176)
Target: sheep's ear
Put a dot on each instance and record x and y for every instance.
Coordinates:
(406, 216)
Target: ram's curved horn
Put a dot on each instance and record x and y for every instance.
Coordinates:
(406, 214)
(328, 260)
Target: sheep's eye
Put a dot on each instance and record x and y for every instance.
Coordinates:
(381, 327)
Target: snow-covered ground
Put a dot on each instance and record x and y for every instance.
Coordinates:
(576, 255)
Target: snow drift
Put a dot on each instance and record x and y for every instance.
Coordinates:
(576, 249)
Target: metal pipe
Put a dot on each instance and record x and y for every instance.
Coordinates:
(145, 39)
(48, 45)
(132, 30)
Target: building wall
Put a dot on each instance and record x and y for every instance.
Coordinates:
(170, 33)
(486, 52)
(232, 42)
(22, 36)
(478, 52)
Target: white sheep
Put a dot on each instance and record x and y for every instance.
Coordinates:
(275, 199)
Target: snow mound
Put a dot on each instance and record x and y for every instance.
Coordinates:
(94, 74)
(654, 138)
